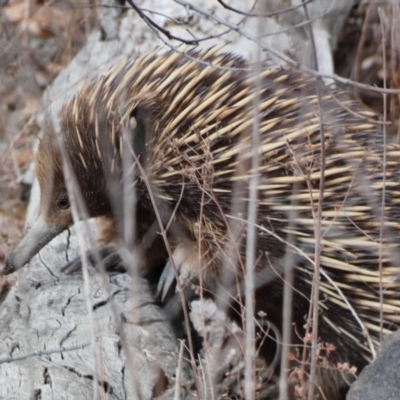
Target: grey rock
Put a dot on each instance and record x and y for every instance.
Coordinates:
(381, 379)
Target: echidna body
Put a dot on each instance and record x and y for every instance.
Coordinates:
(189, 121)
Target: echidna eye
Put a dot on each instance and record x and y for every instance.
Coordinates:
(63, 202)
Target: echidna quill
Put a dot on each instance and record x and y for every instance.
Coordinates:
(189, 121)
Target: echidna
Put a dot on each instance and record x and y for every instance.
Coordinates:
(189, 120)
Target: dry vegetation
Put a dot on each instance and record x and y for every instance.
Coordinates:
(372, 31)
(38, 39)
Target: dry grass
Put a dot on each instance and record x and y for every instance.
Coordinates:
(39, 41)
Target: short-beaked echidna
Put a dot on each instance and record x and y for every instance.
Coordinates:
(189, 119)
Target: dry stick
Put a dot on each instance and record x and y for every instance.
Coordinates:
(223, 296)
(262, 14)
(153, 26)
(251, 237)
(395, 56)
(363, 38)
(149, 21)
(85, 270)
(300, 252)
(288, 299)
(314, 303)
(359, 115)
(16, 138)
(129, 193)
(129, 232)
(105, 279)
(277, 54)
(281, 56)
(41, 353)
(126, 255)
(177, 394)
(78, 208)
(203, 322)
(299, 25)
(170, 255)
(198, 40)
(231, 252)
(382, 222)
(118, 321)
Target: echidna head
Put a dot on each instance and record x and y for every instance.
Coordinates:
(55, 212)
(93, 125)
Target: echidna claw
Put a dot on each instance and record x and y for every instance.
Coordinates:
(182, 268)
(105, 258)
(166, 284)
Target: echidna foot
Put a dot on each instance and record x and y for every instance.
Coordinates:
(105, 258)
(183, 267)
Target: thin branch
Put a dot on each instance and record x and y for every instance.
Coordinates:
(262, 14)
(159, 28)
(40, 353)
(383, 201)
(171, 258)
(324, 274)
(289, 262)
(314, 303)
(281, 56)
(364, 32)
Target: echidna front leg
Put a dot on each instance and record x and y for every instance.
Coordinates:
(107, 258)
(185, 266)
(104, 257)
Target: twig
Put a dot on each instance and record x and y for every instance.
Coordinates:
(262, 14)
(363, 38)
(324, 274)
(40, 353)
(383, 201)
(16, 138)
(314, 301)
(159, 28)
(289, 263)
(170, 255)
(281, 56)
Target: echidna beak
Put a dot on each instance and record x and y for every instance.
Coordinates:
(37, 237)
